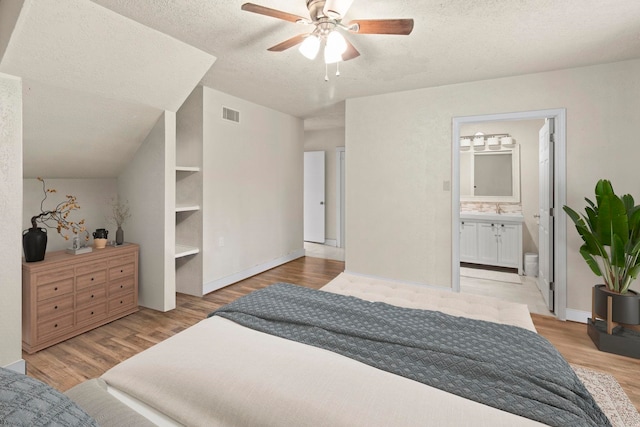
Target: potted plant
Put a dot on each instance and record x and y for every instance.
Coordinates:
(610, 229)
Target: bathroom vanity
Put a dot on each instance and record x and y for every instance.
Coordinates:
(491, 239)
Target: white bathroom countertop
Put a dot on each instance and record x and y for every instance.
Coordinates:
(491, 216)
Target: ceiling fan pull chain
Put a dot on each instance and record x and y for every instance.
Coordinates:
(326, 73)
(338, 69)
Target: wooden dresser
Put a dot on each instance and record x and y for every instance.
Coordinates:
(65, 295)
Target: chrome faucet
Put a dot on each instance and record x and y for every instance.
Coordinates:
(498, 208)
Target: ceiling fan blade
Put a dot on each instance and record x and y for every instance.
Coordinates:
(255, 8)
(288, 43)
(351, 52)
(382, 26)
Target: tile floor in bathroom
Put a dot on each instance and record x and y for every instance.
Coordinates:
(501, 284)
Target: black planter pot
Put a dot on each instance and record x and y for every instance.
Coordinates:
(34, 244)
(625, 307)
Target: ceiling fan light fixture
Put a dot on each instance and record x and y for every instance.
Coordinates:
(331, 56)
(310, 47)
(336, 43)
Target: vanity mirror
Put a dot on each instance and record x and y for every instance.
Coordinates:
(490, 175)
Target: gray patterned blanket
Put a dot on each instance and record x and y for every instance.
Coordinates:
(503, 366)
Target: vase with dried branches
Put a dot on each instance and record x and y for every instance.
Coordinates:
(34, 240)
(119, 214)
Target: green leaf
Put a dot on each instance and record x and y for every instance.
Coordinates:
(612, 219)
(591, 262)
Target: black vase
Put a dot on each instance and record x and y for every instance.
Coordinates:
(34, 244)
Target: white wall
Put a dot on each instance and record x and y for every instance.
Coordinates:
(148, 183)
(408, 237)
(93, 195)
(11, 214)
(327, 141)
(253, 183)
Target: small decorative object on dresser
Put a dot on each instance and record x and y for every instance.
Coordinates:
(100, 238)
(66, 295)
(34, 240)
(120, 213)
(610, 229)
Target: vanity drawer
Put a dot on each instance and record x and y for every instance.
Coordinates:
(55, 289)
(55, 307)
(92, 314)
(91, 296)
(94, 278)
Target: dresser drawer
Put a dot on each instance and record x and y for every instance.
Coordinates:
(53, 276)
(91, 296)
(122, 302)
(53, 327)
(55, 289)
(90, 279)
(90, 268)
(55, 307)
(120, 271)
(121, 286)
(121, 260)
(92, 314)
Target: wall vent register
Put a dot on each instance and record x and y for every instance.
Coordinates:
(231, 115)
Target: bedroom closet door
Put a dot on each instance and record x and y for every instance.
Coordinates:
(314, 207)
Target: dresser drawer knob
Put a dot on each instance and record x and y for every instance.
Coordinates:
(92, 312)
(55, 289)
(55, 308)
(91, 296)
(121, 302)
(55, 326)
(121, 271)
(92, 279)
(121, 286)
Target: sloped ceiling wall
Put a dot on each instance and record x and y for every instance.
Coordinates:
(94, 84)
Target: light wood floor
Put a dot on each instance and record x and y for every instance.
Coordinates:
(91, 354)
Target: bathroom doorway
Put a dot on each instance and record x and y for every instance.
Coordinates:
(508, 134)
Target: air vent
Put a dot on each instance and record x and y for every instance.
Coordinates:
(231, 115)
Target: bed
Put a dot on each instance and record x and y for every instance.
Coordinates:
(220, 373)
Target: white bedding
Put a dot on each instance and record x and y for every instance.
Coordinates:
(218, 373)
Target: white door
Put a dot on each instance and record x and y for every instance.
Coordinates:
(314, 196)
(545, 227)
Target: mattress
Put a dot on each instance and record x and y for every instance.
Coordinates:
(218, 373)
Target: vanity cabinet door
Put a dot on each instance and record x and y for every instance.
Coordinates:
(487, 243)
(468, 241)
(509, 244)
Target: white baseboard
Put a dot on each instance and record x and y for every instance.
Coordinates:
(20, 366)
(241, 275)
(331, 242)
(577, 315)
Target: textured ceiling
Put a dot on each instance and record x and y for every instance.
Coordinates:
(453, 41)
(97, 74)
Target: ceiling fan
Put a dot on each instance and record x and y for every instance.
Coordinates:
(326, 17)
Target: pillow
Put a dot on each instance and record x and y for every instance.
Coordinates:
(25, 401)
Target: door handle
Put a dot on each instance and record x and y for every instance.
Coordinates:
(322, 203)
